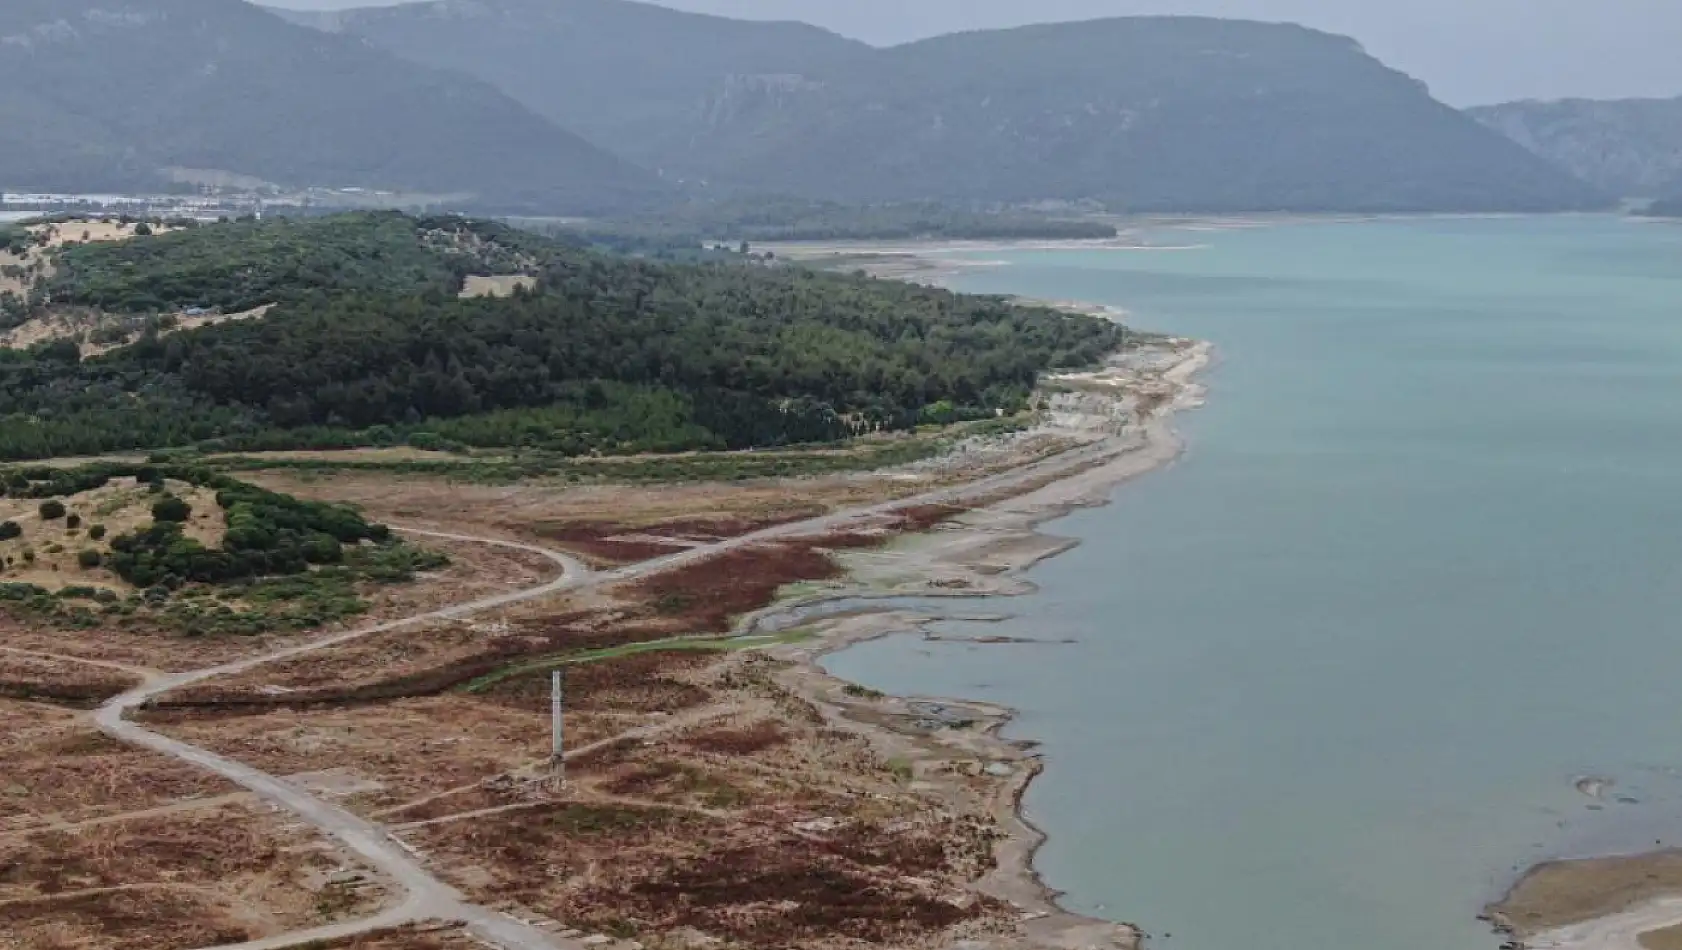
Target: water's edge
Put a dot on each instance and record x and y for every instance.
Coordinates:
(994, 547)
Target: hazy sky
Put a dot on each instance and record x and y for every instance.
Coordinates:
(1469, 51)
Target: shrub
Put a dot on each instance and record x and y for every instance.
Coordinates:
(171, 509)
(73, 521)
(96, 532)
(89, 559)
(10, 530)
(52, 510)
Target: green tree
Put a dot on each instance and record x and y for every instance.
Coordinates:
(171, 509)
(10, 530)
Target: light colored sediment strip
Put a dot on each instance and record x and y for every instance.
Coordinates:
(1617, 932)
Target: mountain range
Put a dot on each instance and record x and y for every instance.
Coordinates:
(1626, 147)
(1144, 113)
(128, 95)
(593, 106)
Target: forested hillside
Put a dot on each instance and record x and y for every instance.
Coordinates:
(604, 355)
(1625, 147)
(1146, 114)
(142, 95)
(1141, 113)
(244, 264)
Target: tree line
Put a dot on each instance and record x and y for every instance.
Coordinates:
(605, 355)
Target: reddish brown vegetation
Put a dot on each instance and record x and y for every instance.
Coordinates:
(116, 920)
(212, 847)
(82, 695)
(61, 682)
(598, 542)
(72, 771)
(613, 543)
(641, 683)
(169, 880)
(672, 782)
(433, 682)
(745, 882)
(708, 596)
(738, 742)
(784, 892)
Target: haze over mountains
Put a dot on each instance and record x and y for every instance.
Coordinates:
(126, 94)
(1170, 113)
(586, 106)
(1626, 147)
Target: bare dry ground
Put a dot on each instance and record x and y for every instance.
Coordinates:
(1569, 892)
(173, 880)
(708, 797)
(540, 513)
(99, 332)
(729, 808)
(105, 847)
(60, 769)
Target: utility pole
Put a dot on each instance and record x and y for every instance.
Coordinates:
(557, 752)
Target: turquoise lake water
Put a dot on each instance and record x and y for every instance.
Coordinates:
(1338, 669)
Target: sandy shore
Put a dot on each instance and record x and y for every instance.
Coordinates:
(985, 552)
(1625, 902)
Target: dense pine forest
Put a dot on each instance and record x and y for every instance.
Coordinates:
(238, 265)
(370, 343)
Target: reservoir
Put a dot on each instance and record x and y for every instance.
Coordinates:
(1339, 670)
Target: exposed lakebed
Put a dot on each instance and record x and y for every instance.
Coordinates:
(1415, 590)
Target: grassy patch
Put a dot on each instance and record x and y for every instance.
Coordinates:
(502, 468)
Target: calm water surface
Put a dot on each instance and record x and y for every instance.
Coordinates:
(1420, 570)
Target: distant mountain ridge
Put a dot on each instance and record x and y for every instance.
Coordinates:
(1143, 113)
(618, 73)
(115, 94)
(1628, 147)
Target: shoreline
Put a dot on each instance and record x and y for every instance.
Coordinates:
(984, 552)
(1598, 903)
